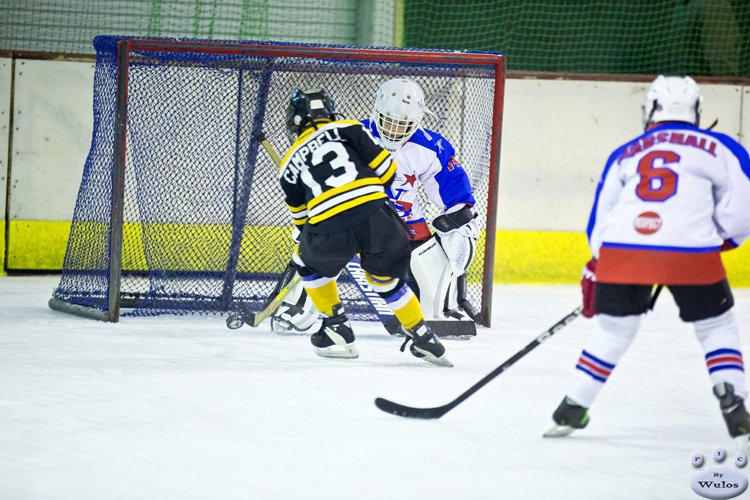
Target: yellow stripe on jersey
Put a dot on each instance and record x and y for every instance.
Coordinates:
(342, 189)
(378, 159)
(353, 194)
(346, 206)
(299, 214)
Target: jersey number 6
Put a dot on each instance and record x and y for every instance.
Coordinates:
(657, 183)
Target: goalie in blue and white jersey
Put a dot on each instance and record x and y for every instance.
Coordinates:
(427, 158)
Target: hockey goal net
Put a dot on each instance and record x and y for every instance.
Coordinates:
(180, 210)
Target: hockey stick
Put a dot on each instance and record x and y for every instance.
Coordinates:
(377, 303)
(437, 412)
(245, 315)
(261, 138)
(652, 301)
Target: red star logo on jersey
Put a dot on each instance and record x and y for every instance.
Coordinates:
(410, 179)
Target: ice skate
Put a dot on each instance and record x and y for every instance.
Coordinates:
(425, 345)
(735, 415)
(568, 417)
(335, 339)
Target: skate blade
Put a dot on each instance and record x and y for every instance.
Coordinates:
(431, 358)
(348, 351)
(340, 349)
(559, 431)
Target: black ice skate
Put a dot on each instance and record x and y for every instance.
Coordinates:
(425, 344)
(335, 339)
(568, 417)
(735, 414)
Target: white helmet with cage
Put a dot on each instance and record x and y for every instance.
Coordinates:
(397, 112)
(672, 99)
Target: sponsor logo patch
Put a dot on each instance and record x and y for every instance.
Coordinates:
(647, 223)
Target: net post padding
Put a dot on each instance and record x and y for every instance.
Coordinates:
(196, 221)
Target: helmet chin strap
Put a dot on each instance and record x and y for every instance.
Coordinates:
(649, 122)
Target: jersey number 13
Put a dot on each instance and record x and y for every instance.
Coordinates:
(339, 160)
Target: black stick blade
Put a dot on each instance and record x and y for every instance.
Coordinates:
(410, 412)
(439, 411)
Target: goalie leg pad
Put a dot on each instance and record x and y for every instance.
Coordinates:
(296, 313)
(433, 273)
(440, 292)
(459, 250)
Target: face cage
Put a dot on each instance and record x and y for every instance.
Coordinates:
(395, 130)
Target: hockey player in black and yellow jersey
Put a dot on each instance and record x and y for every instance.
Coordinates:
(334, 178)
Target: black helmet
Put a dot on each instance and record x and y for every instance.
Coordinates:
(305, 107)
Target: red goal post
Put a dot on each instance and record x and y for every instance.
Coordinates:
(179, 211)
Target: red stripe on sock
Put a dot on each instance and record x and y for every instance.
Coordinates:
(594, 367)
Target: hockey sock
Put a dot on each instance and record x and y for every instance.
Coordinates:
(383, 285)
(405, 306)
(410, 314)
(609, 341)
(323, 292)
(720, 339)
(399, 298)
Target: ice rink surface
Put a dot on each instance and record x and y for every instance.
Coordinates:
(180, 407)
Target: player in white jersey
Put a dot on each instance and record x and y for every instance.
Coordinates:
(422, 157)
(668, 203)
(427, 158)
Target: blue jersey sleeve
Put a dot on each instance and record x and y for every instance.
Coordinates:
(452, 180)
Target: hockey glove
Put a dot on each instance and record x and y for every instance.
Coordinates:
(295, 234)
(460, 219)
(458, 232)
(588, 287)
